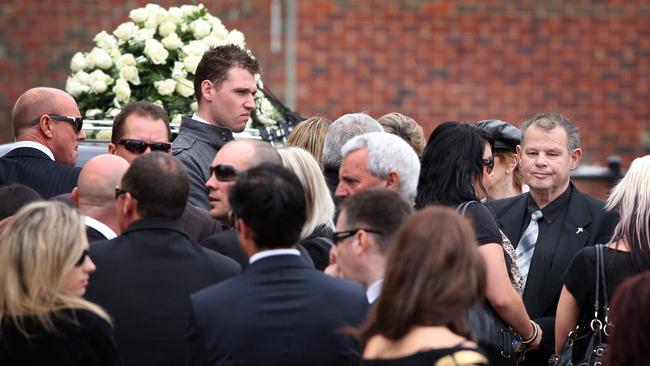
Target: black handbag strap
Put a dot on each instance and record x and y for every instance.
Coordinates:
(462, 208)
(599, 323)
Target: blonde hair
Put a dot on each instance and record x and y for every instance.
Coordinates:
(310, 135)
(406, 128)
(39, 247)
(320, 207)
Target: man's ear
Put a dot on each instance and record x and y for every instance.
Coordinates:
(362, 244)
(518, 151)
(75, 196)
(511, 162)
(207, 90)
(576, 155)
(392, 180)
(112, 148)
(46, 126)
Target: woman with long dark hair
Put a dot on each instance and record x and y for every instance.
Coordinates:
(456, 164)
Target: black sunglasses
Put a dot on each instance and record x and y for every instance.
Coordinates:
(139, 146)
(77, 122)
(489, 163)
(119, 191)
(340, 235)
(224, 172)
(82, 259)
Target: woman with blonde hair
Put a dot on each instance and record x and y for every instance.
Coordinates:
(310, 135)
(317, 231)
(406, 128)
(44, 271)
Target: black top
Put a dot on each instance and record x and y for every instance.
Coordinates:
(485, 225)
(457, 355)
(318, 245)
(88, 341)
(580, 280)
(550, 225)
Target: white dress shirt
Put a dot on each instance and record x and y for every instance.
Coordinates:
(272, 252)
(34, 145)
(99, 226)
(374, 290)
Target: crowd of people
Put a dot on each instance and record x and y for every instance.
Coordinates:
(360, 242)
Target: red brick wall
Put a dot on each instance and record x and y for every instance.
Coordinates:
(432, 60)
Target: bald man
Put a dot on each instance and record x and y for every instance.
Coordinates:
(47, 126)
(94, 195)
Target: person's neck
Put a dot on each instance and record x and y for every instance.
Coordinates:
(373, 272)
(205, 116)
(544, 197)
(502, 191)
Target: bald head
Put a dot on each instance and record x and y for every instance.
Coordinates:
(37, 101)
(98, 179)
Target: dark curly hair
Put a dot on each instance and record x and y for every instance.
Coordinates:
(216, 62)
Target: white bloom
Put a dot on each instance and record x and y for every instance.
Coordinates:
(267, 108)
(142, 35)
(194, 106)
(258, 81)
(219, 30)
(122, 91)
(188, 10)
(98, 87)
(82, 77)
(126, 59)
(114, 112)
(166, 28)
(105, 40)
(99, 75)
(213, 41)
(195, 48)
(101, 58)
(237, 38)
(130, 74)
(191, 63)
(159, 103)
(185, 88)
(155, 51)
(139, 15)
(172, 42)
(104, 135)
(178, 72)
(177, 119)
(200, 28)
(92, 113)
(78, 62)
(165, 87)
(114, 53)
(175, 14)
(75, 88)
(125, 31)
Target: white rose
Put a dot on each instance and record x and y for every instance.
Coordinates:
(191, 63)
(213, 41)
(219, 31)
(102, 59)
(166, 28)
(75, 88)
(114, 53)
(91, 60)
(99, 75)
(126, 59)
(105, 40)
(175, 14)
(237, 38)
(155, 51)
(98, 87)
(165, 87)
(92, 113)
(178, 72)
(82, 77)
(122, 91)
(78, 62)
(177, 119)
(130, 74)
(159, 103)
(188, 10)
(172, 42)
(258, 81)
(267, 108)
(139, 15)
(142, 35)
(195, 48)
(200, 28)
(185, 88)
(125, 31)
(194, 106)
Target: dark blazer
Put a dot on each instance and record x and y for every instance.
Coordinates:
(93, 235)
(278, 312)
(549, 263)
(226, 242)
(33, 168)
(144, 278)
(198, 224)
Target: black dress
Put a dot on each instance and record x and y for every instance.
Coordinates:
(457, 355)
(81, 338)
(580, 279)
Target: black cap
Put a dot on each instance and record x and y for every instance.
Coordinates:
(505, 135)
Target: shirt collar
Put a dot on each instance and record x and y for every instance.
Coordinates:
(34, 145)
(99, 226)
(199, 119)
(273, 252)
(374, 290)
(551, 211)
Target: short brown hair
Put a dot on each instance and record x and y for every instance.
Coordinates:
(216, 62)
(310, 135)
(141, 108)
(406, 128)
(434, 273)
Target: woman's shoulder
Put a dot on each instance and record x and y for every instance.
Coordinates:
(459, 355)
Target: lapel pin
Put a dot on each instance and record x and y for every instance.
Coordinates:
(579, 230)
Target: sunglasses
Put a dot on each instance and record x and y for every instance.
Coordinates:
(340, 235)
(489, 163)
(77, 122)
(139, 146)
(119, 191)
(82, 259)
(224, 172)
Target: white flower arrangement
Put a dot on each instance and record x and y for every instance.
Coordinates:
(154, 57)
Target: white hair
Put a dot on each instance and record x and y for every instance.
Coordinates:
(388, 152)
(340, 131)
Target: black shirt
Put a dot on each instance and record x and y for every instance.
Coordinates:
(550, 225)
(484, 223)
(457, 355)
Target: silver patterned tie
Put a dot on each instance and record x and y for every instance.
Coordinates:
(526, 246)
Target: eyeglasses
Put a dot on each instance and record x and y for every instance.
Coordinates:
(224, 172)
(77, 122)
(340, 235)
(119, 191)
(139, 146)
(489, 163)
(82, 259)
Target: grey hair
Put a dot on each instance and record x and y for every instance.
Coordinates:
(388, 152)
(548, 121)
(340, 131)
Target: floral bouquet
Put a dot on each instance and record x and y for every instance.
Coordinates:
(153, 57)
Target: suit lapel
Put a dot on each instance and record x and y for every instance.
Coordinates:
(510, 219)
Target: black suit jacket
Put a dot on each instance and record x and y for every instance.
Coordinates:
(144, 279)
(33, 168)
(94, 235)
(549, 263)
(278, 312)
(226, 242)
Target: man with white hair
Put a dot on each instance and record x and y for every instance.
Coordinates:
(339, 132)
(378, 159)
